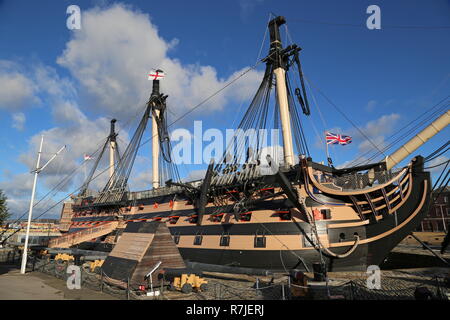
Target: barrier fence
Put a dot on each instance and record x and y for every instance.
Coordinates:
(393, 288)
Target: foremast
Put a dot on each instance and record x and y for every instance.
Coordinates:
(112, 147)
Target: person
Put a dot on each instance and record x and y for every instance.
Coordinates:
(446, 240)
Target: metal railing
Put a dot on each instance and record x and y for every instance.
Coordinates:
(393, 288)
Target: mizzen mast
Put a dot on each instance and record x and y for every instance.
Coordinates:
(112, 147)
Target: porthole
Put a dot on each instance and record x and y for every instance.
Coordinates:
(198, 240)
(176, 238)
(225, 240)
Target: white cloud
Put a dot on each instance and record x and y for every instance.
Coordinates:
(439, 160)
(48, 81)
(80, 134)
(17, 185)
(142, 181)
(195, 175)
(247, 7)
(109, 59)
(376, 131)
(371, 105)
(18, 120)
(17, 90)
(113, 52)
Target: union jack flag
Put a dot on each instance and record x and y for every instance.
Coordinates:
(337, 139)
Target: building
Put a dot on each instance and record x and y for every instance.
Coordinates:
(438, 217)
(40, 231)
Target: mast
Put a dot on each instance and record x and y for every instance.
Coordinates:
(112, 147)
(155, 152)
(155, 133)
(282, 97)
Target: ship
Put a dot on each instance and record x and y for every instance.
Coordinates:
(287, 215)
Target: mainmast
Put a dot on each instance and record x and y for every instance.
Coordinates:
(279, 67)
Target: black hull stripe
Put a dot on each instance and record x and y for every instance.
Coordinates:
(251, 228)
(270, 259)
(263, 205)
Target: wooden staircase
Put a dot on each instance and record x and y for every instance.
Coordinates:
(74, 238)
(66, 217)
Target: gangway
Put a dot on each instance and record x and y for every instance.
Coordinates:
(74, 238)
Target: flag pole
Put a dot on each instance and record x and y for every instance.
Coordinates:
(326, 144)
(30, 212)
(85, 174)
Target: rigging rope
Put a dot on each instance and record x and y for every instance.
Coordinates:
(428, 114)
(145, 142)
(344, 115)
(438, 165)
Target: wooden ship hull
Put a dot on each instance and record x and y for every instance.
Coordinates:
(274, 234)
(240, 216)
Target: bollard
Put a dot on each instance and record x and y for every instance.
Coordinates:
(34, 261)
(101, 279)
(282, 292)
(352, 291)
(128, 288)
(320, 272)
(289, 287)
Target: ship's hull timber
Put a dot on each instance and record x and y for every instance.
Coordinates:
(285, 245)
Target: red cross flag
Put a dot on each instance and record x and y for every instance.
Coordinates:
(155, 75)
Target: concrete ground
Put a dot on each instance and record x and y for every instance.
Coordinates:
(40, 286)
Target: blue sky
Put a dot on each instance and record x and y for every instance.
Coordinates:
(68, 84)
